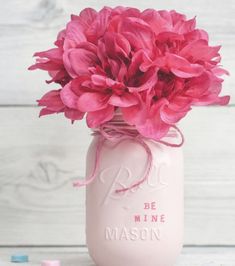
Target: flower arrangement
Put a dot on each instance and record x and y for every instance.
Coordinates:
(152, 65)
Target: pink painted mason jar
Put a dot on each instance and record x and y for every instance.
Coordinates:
(142, 226)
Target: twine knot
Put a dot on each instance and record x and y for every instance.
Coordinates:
(118, 133)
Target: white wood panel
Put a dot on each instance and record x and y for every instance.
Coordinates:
(29, 26)
(40, 157)
(190, 256)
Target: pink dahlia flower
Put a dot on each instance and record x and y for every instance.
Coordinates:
(152, 65)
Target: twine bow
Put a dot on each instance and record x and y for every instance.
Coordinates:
(117, 134)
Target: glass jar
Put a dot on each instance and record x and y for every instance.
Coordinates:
(142, 226)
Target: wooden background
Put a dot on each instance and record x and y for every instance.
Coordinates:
(39, 158)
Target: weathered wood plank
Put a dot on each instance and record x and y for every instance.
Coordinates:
(29, 27)
(193, 256)
(39, 158)
(44, 12)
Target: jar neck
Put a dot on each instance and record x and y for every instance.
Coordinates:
(119, 122)
(118, 119)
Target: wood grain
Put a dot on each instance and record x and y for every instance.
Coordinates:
(39, 158)
(32, 26)
(193, 256)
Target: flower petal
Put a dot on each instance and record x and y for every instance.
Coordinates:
(171, 116)
(88, 14)
(138, 33)
(99, 25)
(96, 118)
(74, 35)
(182, 68)
(102, 81)
(45, 111)
(52, 101)
(73, 114)
(77, 61)
(199, 50)
(68, 97)
(156, 21)
(154, 127)
(125, 100)
(116, 45)
(54, 54)
(143, 81)
(92, 101)
(198, 86)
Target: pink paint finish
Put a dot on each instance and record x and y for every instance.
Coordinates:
(140, 225)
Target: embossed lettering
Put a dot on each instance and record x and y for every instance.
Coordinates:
(124, 234)
(155, 234)
(144, 233)
(120, 177)
(132, 234)
(111, 233)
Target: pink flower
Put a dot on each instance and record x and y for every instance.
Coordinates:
(52, 61)
(152, 65)
(53, 104)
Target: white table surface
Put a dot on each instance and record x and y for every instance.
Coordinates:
(71, 256)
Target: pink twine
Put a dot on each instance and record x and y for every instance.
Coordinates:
(119, 133)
